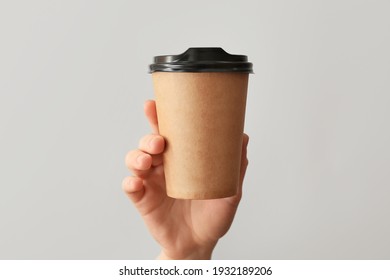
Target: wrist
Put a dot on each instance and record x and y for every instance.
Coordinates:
(203, 253)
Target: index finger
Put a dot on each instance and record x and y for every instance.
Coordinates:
(151, 115)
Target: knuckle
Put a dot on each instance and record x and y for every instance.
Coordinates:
(129, 157)
(143, 140)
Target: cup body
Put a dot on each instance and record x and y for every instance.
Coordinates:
(201, 116)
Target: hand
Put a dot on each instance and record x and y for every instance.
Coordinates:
(185, 229)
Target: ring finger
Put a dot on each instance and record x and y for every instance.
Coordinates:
(138, 162)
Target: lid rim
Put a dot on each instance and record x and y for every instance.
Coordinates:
(187, 68)
(202, 60)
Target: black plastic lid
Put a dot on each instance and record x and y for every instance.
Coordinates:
(202, 60)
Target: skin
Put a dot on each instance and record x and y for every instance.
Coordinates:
(185, 229)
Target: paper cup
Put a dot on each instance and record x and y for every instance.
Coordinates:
(201, 116)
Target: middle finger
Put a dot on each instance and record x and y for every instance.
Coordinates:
(152, 144)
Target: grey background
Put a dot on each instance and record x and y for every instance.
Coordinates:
(73, 79)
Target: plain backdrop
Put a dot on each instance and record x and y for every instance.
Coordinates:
(73, 79)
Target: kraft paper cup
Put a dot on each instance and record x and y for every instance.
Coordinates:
(201, 116)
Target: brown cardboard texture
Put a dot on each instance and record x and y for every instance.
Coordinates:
(201, 116)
